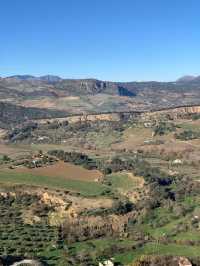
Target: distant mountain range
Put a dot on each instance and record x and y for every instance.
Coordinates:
(47, 78)
(76, 96)
(54, 78)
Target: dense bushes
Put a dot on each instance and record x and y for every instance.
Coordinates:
(195, 116)
(22, 133)
(11, 114)
(45, 133)
(150, 260)
(151, 174)
(188, 135)
(74, 157)
(164, 128)
(115, 165)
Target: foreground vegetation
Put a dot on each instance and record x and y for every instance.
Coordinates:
(145, 203)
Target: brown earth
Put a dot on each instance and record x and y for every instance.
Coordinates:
(2, 133)
(49, 103)
(66, 170)
(45, 103)
(139, 181)
(52, 197)
(12, 150)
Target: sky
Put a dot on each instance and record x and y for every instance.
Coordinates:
(119, 40)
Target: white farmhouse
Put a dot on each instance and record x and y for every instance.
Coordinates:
(177, 161)
(106, 263)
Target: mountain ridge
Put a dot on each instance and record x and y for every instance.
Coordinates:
(93, 95)
(55, 78)
(47, 78)
(189, 79)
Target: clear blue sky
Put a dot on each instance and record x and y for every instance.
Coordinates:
(105, 39)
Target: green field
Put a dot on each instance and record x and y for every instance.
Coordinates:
(153, 248)
(159, 249)
(190, 126)
(121, 181)
(84, 188)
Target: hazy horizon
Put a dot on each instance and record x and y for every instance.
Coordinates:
(96, 78)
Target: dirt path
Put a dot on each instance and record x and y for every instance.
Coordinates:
(27, 262)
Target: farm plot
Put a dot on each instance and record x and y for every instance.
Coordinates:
(53, 179)
(64, 170)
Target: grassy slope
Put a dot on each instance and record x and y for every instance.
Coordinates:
(159, 249)
(128, 257)
(121, 181)
(85, 188)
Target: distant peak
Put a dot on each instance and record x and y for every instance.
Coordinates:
(50, 78)
(186, 78)
(22, 77)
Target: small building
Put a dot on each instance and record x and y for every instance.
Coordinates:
(107, 263)
(177, 162)
(148, 124)
(41, 138)
(148, 141)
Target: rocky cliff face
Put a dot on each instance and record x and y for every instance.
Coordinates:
(189, 110)
(98, 117)
(173, 113)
